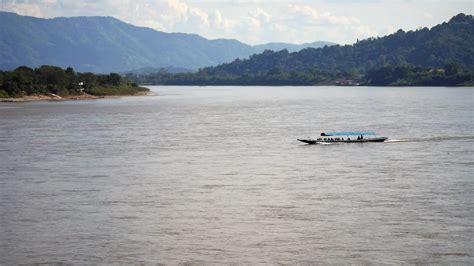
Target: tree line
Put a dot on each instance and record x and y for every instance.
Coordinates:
(47, 80)
(399, 75)
(407, 75)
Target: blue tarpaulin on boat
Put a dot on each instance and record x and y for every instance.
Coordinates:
(349, 133)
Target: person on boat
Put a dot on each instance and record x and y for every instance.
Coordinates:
(361, 136)
(323, 134)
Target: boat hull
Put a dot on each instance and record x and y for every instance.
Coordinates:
(313, 141)
(308, 141)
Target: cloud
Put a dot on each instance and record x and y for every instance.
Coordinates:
(297, 23)
(258, 21)
(427, 15)
(23, 8)
(261, 15)
(325, 23)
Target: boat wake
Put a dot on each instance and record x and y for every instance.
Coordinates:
(428, 139)
(396, 140)
(327, 143)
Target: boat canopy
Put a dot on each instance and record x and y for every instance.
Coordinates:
(348, 133)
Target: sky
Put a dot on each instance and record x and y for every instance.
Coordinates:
(259, 21)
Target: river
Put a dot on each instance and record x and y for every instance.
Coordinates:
(215, 174)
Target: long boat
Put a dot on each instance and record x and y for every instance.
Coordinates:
(345, 137)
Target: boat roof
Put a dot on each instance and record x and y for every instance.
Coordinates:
(351, 133)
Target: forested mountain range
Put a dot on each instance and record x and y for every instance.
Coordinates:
(106, 44)
(450, 42)
(409, 58)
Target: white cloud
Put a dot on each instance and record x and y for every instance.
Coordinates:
(325, 23)
(23, 9)
(427, 15)
(261, 15)
(258, 21)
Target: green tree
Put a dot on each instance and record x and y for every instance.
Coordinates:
(451, 69)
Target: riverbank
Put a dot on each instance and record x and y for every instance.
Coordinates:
(54, 97)
(55, 83)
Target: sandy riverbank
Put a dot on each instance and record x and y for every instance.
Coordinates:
(54, 97)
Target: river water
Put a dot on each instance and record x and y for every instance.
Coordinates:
(215, 174)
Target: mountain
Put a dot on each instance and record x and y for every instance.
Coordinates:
(413, 57)
(153, 70)
(106, 44)
(449, 42)
(274, 46)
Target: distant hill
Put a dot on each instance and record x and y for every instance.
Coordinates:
(450, 42)
(256, 50)
(448, 45)
(153, 70)
(106, 44)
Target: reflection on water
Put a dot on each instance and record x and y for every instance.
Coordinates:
(212, 174)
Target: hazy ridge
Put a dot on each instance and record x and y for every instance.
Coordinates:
(106, 44)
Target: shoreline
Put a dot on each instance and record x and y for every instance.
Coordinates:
(54, 97)
(307, 85)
